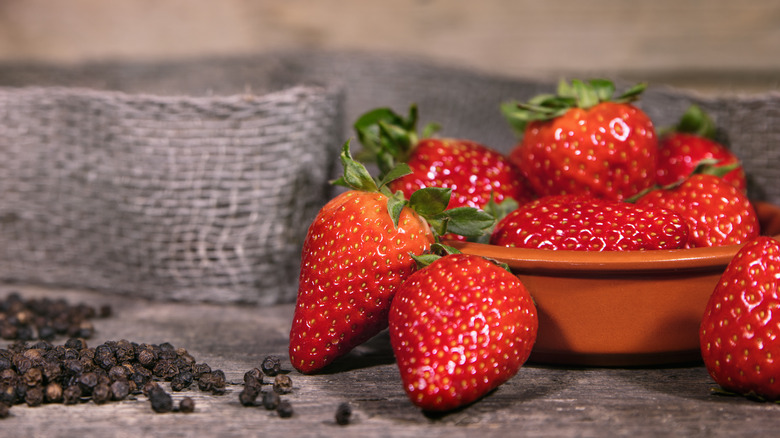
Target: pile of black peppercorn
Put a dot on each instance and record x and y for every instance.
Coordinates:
(269, 399)
(74, 373)
(30, 319)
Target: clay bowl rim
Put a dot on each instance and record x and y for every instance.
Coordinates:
(627, 262)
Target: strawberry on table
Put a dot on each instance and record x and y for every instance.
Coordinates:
(356, 253)
(738, 334)
(459, 328)
(581, 223)
(583, 140)
(473, 171)
(683, 147)
(717, 213)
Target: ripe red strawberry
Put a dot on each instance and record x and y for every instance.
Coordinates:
(571, 222)
(738, 334)
(459, 328)
(473, 171)
(717, 213)
(355, 255)
(584, 141)
(683, 147)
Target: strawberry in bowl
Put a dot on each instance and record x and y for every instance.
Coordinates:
(584, 140)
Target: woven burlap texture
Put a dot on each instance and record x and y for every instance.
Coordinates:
(141, 194)
(181, 198)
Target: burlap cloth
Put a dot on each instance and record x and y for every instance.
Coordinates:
(196, 180)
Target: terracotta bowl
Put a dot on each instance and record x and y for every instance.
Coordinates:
(632, 308)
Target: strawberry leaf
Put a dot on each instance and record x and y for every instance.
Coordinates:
(356, 176)
(577, 94)
(437, 251)
(465, 221)
(430, 201)
(498, 211)
(696, 121)
(395, 205)
(632, 93)
(387, 137)
(396, 172)
(430, 129)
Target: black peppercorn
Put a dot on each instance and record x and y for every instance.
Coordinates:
(285, 409)
(8, 375)
(204, 383)
(101, 394)
(71, 395)
(149, 387)
(21, 363)
(47, 332)
(8, 331)
(271, 365)
(161, 401)
(283, 384)
(248, 396)
(120, 389)
(34, 396)
(7, 393)
(270, 400)
(343, 414)
(165, 369)
(118, 372)
(75, 343)
(147, 357)
(70, 354)
(53, 393)
(52, 370)
(124, 352)
(253, 376)
(87, 382)
(33, 377)
(105, 311)
(182, 381)
(218, 381)
(199, 369)
(5, 363)
(187, 405)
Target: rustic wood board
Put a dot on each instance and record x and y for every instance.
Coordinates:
(541, 401)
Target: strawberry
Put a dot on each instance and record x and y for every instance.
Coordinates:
(356, 253)
(717, 213)
(738, 334)
(584, 141)
(683, 147)
(474, 172)
(459, 328)
(581, 223)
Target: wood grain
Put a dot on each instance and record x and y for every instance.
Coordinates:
(717, 43)
(541, 401)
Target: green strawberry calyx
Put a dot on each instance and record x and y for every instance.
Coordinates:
(388, 138)
(707, 166)
(430, 203)
(694, 121)
(577, 94)
(439, 250)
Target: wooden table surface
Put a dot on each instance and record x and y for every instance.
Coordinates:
(541, 401)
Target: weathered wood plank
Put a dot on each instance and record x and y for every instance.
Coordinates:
(539, 401)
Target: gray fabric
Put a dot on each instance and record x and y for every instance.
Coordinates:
(182, 198)
(157, 178)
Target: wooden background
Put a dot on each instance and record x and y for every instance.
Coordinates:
(718, 46)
